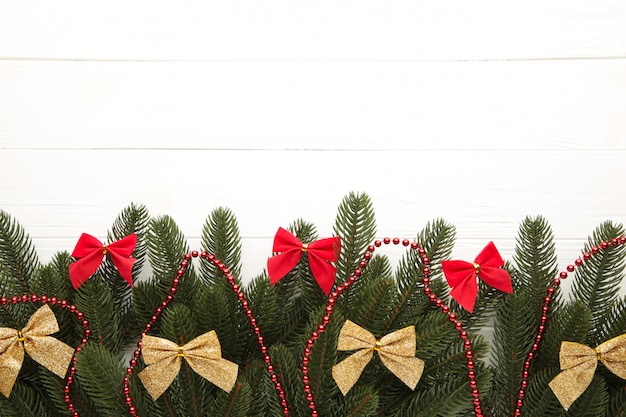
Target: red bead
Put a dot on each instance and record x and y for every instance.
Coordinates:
(396, 241)
(563, 275)
(604, 245)
(386, 240)
(378, 243)
(586, 256)
(570, 268)
(578, 262)
(405, 242)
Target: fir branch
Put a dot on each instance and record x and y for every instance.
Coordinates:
(614, 322)
(597, 281)
(217, 308)
(95, 299)
(514, 331)
(221, 237)
(166, 248)
(355, 224)
(437, 239)
(359, 402)
(572, 322)
(53, 279)
(101, 373)
(287, 365)
(535, 259)
(370, 306)
(24, 401)
(263, 302)
(233, 404)
(132, 219)
(17, 256)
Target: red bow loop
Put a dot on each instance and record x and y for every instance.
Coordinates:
(462, 276)
(89, 253)
(321, 253)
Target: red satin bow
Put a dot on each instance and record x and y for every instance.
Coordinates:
(89, 253)
(320, 253)
(461, 276)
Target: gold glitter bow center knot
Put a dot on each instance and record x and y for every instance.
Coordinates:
(579, 363)
(203, 354)
(396, 351)
(34, 340)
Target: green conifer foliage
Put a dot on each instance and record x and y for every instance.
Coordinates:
(380, 297)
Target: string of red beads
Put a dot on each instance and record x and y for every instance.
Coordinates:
(330, 305)
(132, 410)
(544, 314)
(44, 299)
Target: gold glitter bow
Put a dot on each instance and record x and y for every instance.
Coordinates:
(203, 354)
(579, 363)
(396, 351)
(34, 340)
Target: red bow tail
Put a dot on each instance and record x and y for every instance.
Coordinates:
(120, 253)
(461, 277)
(278, 266)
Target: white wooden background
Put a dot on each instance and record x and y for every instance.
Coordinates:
(480, 112)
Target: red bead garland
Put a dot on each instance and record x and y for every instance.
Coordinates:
(544, 314)
(330, 304)
(44, 299)
(244, 304)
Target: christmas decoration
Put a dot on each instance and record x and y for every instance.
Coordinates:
(320, 253)
(579, 363)
(462, 275)
(203, 354)
(89, 252)
(282, 338)
(35, 341)
(396, 351)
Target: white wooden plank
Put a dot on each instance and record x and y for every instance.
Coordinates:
(537, 105)
(57, 195)
(320, 30)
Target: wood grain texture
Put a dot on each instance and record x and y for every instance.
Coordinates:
(539, 105)
(320, 30)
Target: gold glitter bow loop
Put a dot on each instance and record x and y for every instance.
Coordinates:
(579, 363)
(34, 340)
(203, 354)
(396, 351)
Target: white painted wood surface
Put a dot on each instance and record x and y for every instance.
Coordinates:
(480, 113)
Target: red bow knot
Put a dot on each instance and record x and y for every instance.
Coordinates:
(461, 276)
(320, 253)
(89, 253)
